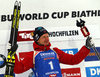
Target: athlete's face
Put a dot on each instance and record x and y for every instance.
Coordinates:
(44, 39)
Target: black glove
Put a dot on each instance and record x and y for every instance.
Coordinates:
(89, 42)
(81, 23)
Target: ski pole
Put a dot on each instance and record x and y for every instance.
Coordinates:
(86, 33)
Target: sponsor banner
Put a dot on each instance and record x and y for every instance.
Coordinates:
(71, 72)
(71, 33)
(92, 56)
(56, 34)
(53, 15)
(25, 35)
(64, 33)
(70, 51)
(93, 71)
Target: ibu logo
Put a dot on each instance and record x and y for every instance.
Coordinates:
(93, 71)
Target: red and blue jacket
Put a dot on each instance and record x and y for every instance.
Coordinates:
(28, 61)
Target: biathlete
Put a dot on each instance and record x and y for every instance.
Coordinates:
(45, 60)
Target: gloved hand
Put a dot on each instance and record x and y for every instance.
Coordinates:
(89, 42)
(12, 48)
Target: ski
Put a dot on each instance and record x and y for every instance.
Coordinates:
(13, 40)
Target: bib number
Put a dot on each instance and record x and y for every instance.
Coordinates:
(51, 65)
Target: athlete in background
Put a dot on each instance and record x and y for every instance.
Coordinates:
(44, 60)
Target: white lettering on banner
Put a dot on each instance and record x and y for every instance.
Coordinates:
(95, 71)
(26, 35)
(70, 52)
(72, 74)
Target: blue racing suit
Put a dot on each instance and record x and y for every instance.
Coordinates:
(47, 64)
